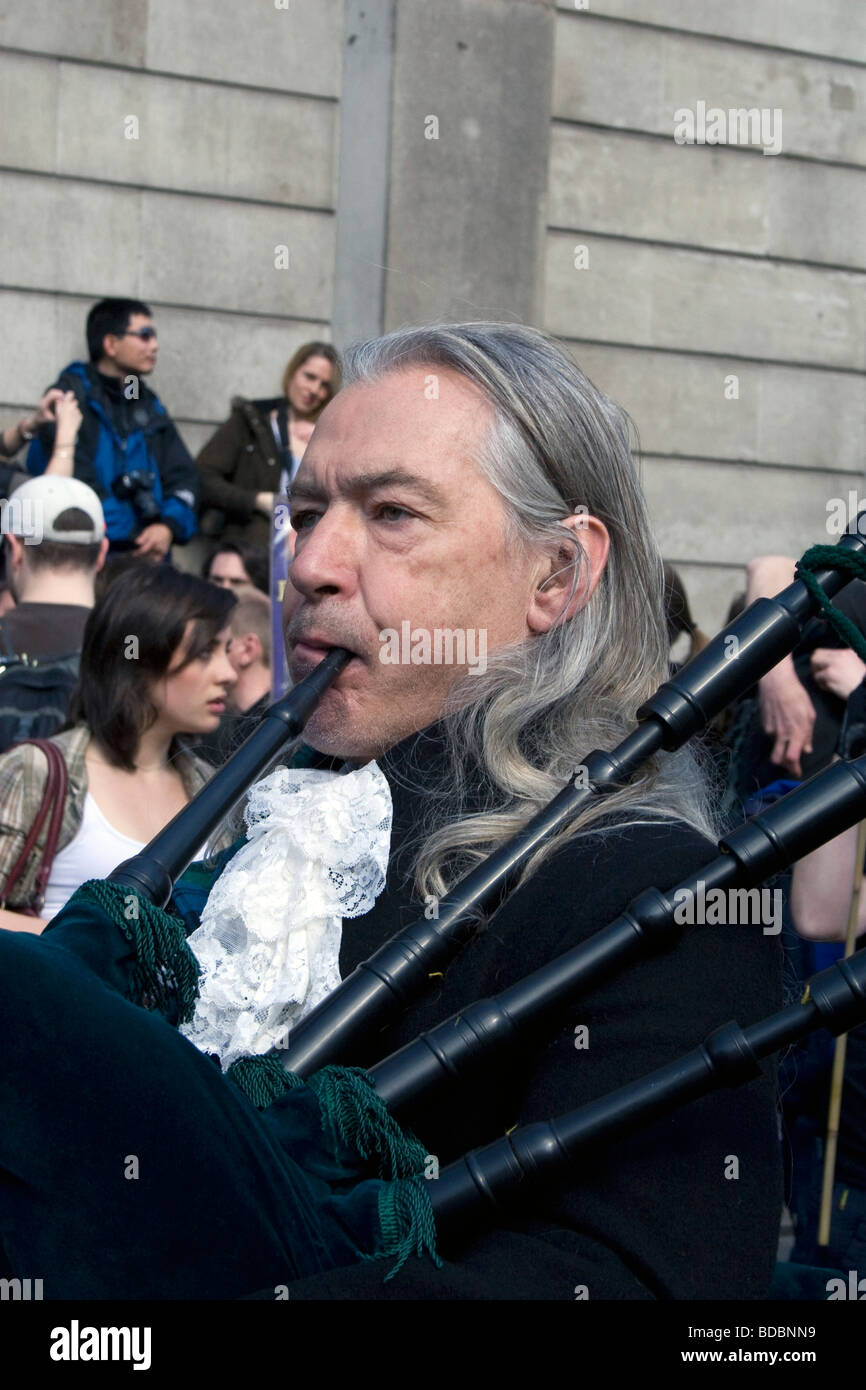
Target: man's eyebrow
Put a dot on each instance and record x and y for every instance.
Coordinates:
(361, 483)
(310, 492)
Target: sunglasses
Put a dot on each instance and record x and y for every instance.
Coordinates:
(145, 334)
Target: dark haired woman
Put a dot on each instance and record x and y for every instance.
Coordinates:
(154, 668)
(254, 456)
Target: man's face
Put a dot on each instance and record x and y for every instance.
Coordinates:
(397, 525)
(129, 353)
(227, 570)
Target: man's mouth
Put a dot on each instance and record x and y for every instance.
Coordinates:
(311, 648)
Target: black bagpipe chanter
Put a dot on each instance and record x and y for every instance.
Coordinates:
(463, 1050)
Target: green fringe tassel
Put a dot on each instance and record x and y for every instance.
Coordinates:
(262, 1079)
(357, 1115)
(820, 557)
(352, 1111)
(407, 1222)
(165, 974)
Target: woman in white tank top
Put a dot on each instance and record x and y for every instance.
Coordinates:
(154, 668)
(96, 850)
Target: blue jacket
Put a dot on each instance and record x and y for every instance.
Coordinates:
(119, 435)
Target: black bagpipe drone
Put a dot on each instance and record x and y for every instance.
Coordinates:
(462, 1049)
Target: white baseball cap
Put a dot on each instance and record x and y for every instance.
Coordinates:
(47, 497)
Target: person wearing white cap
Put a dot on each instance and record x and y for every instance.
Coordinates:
(54, 538)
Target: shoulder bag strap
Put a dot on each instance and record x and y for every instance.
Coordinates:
(52, 805)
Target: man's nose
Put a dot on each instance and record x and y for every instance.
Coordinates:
(326, 557)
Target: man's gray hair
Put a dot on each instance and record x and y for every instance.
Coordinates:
(557, 446)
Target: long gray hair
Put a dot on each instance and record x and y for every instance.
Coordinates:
(557, 446)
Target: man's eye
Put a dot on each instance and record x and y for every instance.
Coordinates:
(301, 521)
(392, 511)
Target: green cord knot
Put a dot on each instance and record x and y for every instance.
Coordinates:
(165, 974)
(356, 1116)
(353, 1114)
(822, 557)
(262, 1079)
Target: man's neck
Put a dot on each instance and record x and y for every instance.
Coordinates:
(73, 587)
(106, 367)
(421, 744)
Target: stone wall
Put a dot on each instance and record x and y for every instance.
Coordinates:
(721, 296)
(510, 159)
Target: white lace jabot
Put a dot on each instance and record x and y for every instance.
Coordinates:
(269, 940)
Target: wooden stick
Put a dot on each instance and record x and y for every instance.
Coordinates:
(838, 1075)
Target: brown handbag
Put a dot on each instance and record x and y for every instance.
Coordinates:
(52, 805)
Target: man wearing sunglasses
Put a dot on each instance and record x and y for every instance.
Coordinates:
(128, 449)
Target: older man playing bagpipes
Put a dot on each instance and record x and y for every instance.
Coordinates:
(476, 598)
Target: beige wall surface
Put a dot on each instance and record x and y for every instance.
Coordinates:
(163, 149)
(717, 291)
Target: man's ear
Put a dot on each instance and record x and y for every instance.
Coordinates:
(552, 600)
(245, 649)
(110, 351)
(15, 553)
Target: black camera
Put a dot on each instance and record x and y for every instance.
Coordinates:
(137, 487)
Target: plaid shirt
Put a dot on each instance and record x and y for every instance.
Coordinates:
(23, 774)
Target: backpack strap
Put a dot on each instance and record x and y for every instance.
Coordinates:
(51, 807)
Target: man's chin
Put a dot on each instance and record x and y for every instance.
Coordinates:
(337, 745)
(339, 737)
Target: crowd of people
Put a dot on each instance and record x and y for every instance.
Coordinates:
(513, 507)
(101, 497)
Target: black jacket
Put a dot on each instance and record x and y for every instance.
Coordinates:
(657, 1217)
(239, 461)
(106, 407)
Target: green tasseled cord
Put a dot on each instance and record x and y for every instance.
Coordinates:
(352, 1112)
(262, 1079)
(820, 557)
(165, 974)
(357, 1115)
(407, 1221)
(358, 1118)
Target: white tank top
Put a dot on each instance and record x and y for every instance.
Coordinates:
(93, 853)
